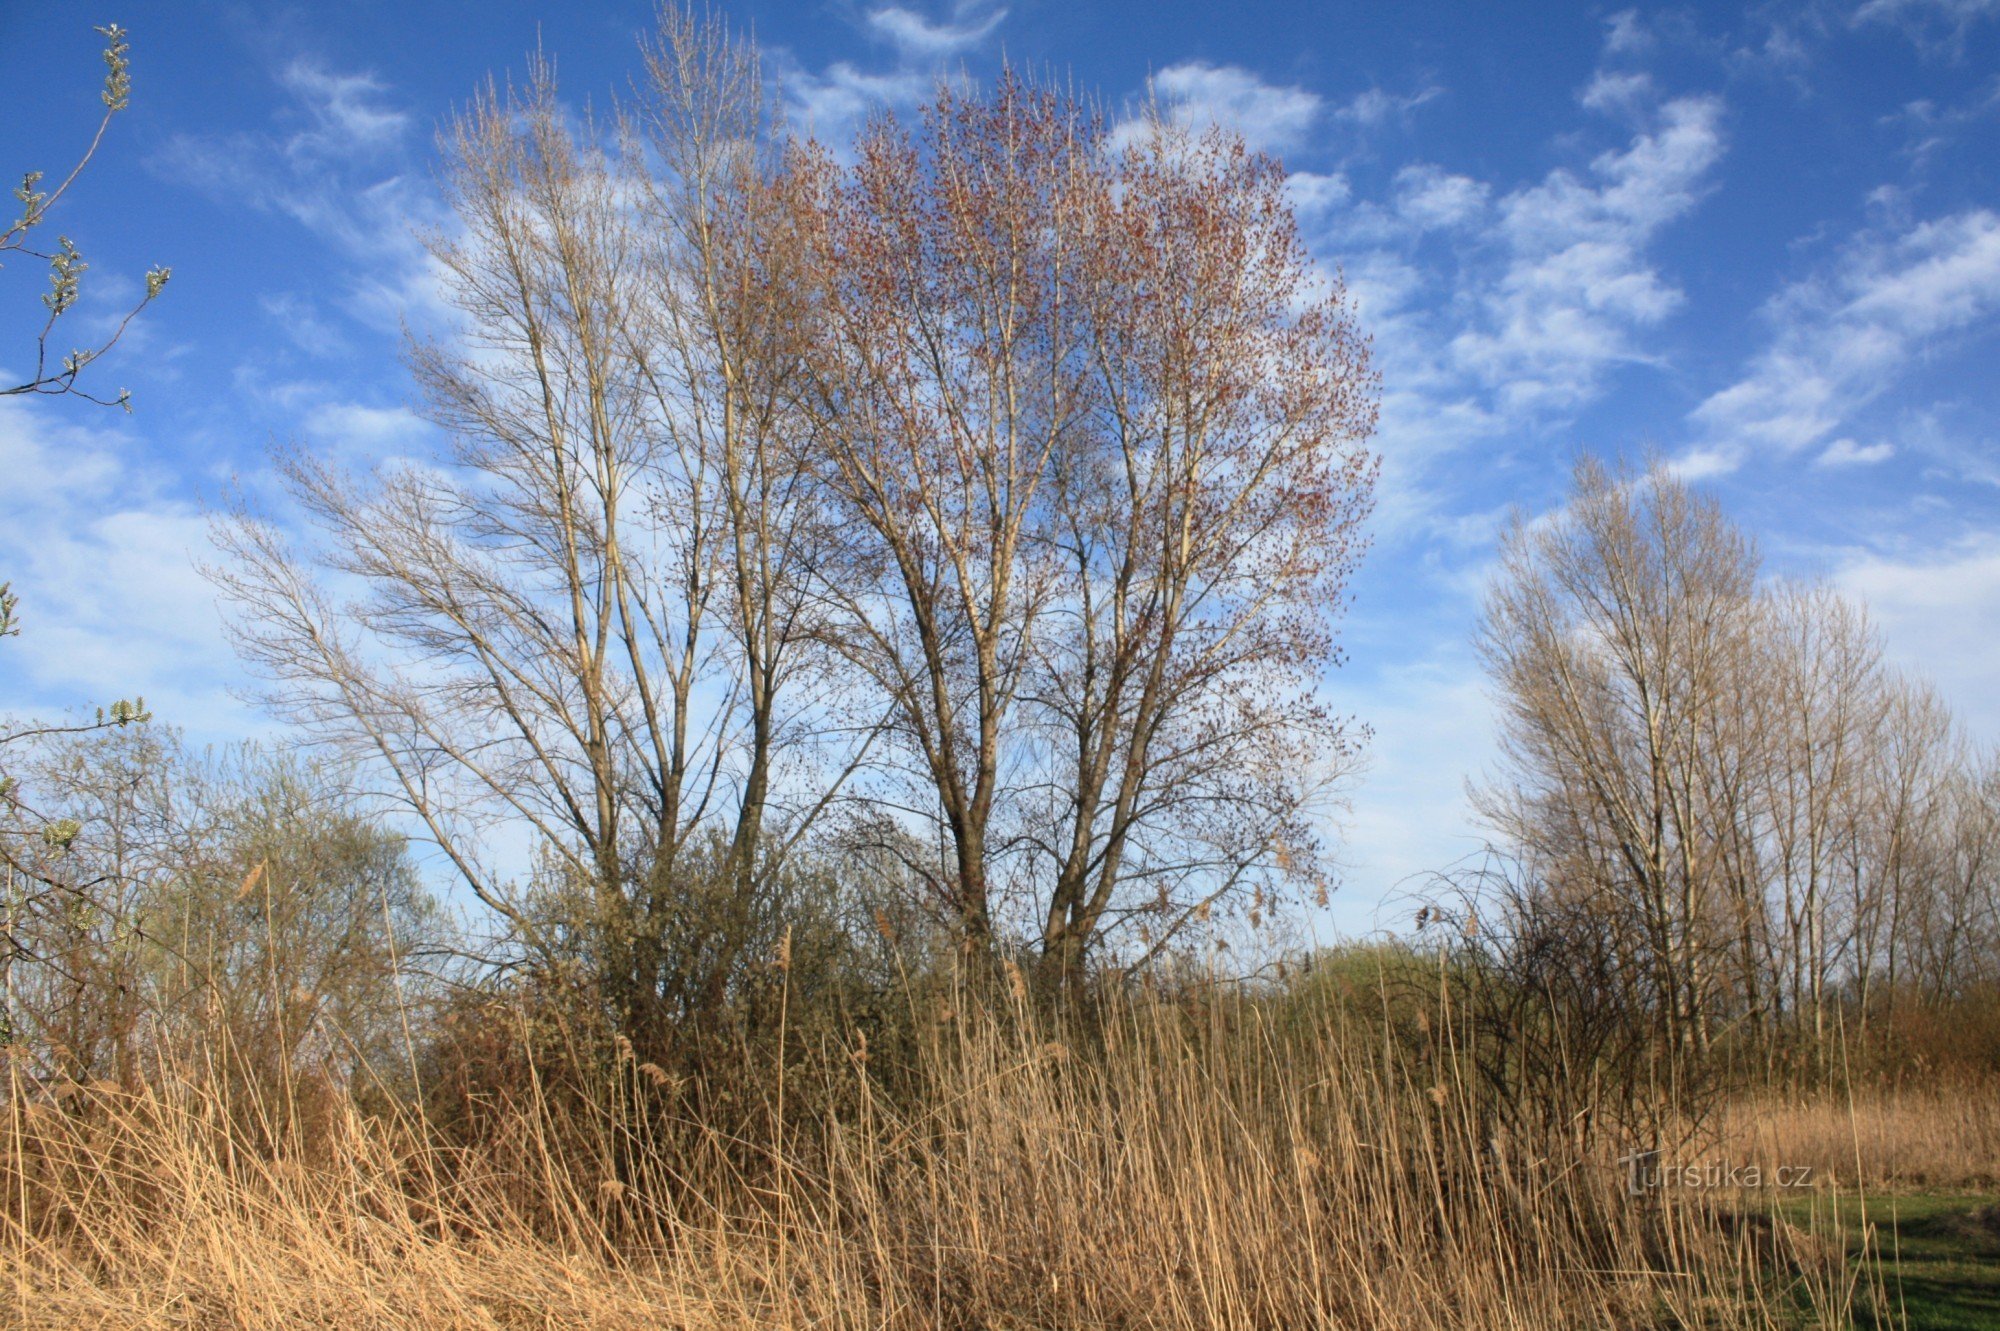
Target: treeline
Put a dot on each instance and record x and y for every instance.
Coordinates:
(1736, 837)
(920, 564)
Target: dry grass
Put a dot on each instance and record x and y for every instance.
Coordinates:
(1197, 1173)
(1932, 1137)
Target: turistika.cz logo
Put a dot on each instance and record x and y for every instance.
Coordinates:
(1645, 1173)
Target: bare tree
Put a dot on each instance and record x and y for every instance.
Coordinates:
(1205, 522)
(1095, 434)
(1906, 807)
(952, 276)
(1948, 935)
(1616, 629)
(582, 624)
(1822, 668)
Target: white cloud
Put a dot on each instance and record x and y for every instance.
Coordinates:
(348, 116)
(1847, 453)
(1577, 284)
(347, 176)
(1843, 336)
(1316, 194)
(1272, 117)
(1375, 107)
(832, 104)
(103, 559)
(1625, 33)
(301, 321)
(361, 434)
(347, 125)
(1429, 198)
(1921, 19)
(1695, 465)
(1657, 178)
(1937, 613)
(1954, 9)
(918, 38)
(1953, 441)
(1932, 127)
(1615, 92)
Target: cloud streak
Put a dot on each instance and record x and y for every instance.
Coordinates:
(1842, 337)
(917, 38)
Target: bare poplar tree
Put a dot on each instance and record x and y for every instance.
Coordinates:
(1907, 805)
(581, 621)
(1095, 428)
(1822, 669)
(1617, 628)
(1204, 524)
(952, 274)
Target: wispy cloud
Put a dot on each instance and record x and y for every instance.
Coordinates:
(1847, 453)
(1429, 198)
(1625, 33)
(1577, 282)
(831, 104)
(1619, 92)
(337, 158)
(1274, 117)
(1316, 194)
(331, 125)
(304, 324)
(1270, 116)
(1374, 107)
(349, 114)
(1937, 611)
(1932, 127)
(1938, 27)
(104, 563)
(1841, 338)
(360, 434)
(917, 38)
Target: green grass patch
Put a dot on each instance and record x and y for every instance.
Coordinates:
(1940, 1255)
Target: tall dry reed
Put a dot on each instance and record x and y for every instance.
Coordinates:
(1941, 1136)
(1177, 1167)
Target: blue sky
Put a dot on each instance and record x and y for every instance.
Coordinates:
(1762, 240)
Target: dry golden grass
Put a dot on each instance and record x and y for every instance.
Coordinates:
(1931, 1137)
(1179, 1176)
